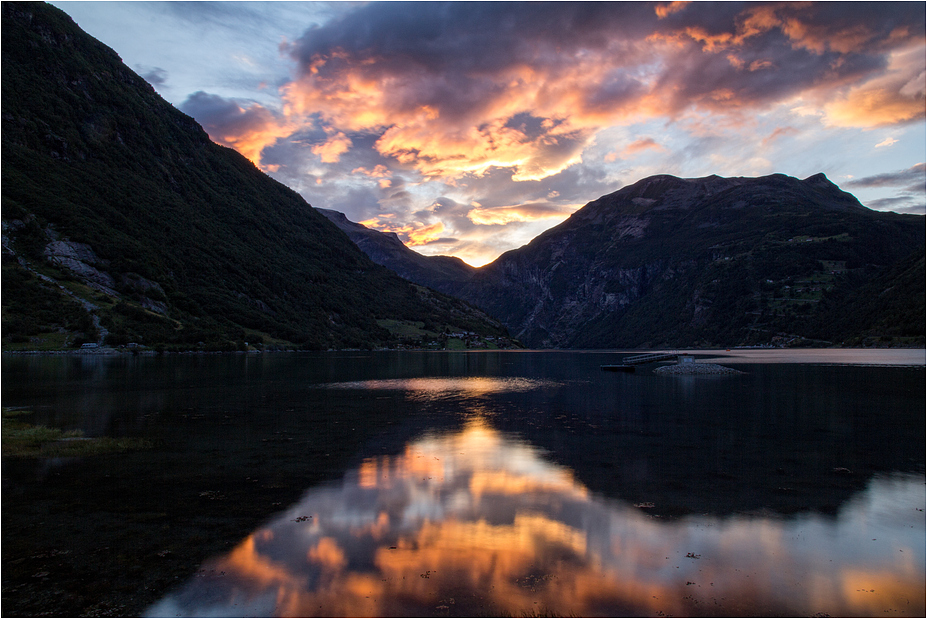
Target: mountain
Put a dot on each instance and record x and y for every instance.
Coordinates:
(443, 273)
(123, 223)
(671, 262)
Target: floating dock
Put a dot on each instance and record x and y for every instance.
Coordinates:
(628, 363)
(650, 358)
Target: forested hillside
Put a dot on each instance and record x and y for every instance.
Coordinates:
(123, 223)
(671, 262)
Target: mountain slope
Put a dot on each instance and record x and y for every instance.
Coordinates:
(699, 262)
(443, 273)
(118, 207)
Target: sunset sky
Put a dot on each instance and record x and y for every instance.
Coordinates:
(469, 128)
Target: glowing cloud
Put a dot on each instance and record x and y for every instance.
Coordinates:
(449, 99)
(246, 129)
(331, 151)
(638, 146)
(412, 235)
(502, 215)
(511, 105)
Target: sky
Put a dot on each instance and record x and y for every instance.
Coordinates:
(469, 128)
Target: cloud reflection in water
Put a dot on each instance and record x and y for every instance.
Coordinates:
(475, 522)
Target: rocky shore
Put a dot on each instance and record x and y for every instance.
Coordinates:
(691, 369)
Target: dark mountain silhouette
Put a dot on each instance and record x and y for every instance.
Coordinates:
(123, 222)
(713, 262)
(698, 262)
(443, 273)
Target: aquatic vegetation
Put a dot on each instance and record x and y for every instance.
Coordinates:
(25, 440)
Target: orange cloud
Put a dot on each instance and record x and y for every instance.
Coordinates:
(896, 97)
(662, 10)
(638, 146)
(379, 171)
(252, 141)
(331, 151)
(412, 235)
(357, 97)
(246, 129)
(779, 133)
(501, 215)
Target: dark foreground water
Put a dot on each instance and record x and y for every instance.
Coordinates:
(462, 484)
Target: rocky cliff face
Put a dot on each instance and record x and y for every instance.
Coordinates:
(443, 273)
(118, 208)
(685, 262)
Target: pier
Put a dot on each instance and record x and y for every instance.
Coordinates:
(628, 363)
(649, 358)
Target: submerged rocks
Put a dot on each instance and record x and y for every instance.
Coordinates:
(690, 369)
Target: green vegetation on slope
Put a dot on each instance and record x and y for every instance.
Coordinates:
(197, 248)
(671, 262)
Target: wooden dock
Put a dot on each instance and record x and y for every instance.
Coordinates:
(628, 363)
(650, 358)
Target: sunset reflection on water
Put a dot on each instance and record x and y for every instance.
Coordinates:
(476, 522)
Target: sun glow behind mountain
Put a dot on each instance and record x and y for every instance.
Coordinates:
(467, 129)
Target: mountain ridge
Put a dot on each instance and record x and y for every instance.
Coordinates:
(118, 208)
(123, 223)
(443, 273)
(615, 272)
(666, 261)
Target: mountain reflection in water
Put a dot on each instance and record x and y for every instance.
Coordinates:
(476, 522)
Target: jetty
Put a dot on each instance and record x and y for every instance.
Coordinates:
(649, 358)
(629, 363)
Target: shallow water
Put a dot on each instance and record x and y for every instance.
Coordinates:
(474, 523)
(491, 483)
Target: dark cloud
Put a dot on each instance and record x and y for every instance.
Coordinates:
(915, 174)
(501, 102)
(468, 38)
(758, 52)
(901, 204)
(358, 203)
(155, 76)
(247, 129)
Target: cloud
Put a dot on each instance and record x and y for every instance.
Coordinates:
(899, 204)
(780, 132)
(331, 150)
(914, 174)
(411, 235)
(156, 76)
(394, 105)
(379, 171)
(886, 142)
(246, 129)
(662, 10)
(911, 183)
(639, 146)
(455, 89)
(502, 215)
(896, 97)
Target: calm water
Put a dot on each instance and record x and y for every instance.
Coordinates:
(460, 484)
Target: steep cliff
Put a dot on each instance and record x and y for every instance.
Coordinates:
(119, 210)
(700, 262)
(443, 273)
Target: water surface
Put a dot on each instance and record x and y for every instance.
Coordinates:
(491, 483)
